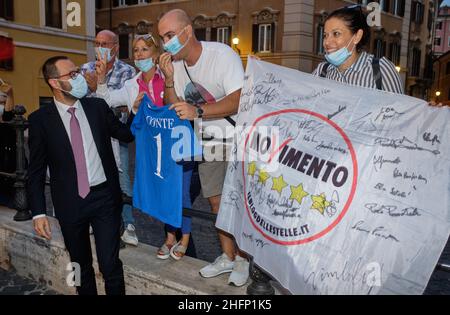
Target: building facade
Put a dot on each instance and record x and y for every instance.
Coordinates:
(420, 50)
(442, 29)
(288, 32)
(441, 82)
(39, 30)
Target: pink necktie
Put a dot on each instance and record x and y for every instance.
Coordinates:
(78, 152)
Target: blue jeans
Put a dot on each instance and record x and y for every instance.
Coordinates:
(125, 184)
(186, 223)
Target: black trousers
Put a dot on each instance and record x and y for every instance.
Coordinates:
(104, 214)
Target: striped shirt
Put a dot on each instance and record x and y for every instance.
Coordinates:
(360, 73)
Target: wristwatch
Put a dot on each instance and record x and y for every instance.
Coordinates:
(199, 112)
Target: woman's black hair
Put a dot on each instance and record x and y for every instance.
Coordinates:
(355, 20)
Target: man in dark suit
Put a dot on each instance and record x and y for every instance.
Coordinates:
(72, 137)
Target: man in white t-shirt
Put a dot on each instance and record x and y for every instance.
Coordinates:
(204, 81)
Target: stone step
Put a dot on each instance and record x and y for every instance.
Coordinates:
(46, 261)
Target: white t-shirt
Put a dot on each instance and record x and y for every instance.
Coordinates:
(217, 74)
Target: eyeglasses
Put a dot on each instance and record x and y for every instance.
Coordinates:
(72, 74)
(104, 44)
(146, 37)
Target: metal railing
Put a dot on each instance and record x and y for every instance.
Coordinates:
(20, 124)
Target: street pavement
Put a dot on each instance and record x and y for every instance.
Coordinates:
(12, 284)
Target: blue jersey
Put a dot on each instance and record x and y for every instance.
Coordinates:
(162, 142)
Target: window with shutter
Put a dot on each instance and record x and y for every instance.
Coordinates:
(319, 39)
(214, 34)
(200, 33)
(415, 67)
(7, 9)
(255, 38)
(413, 10)
(6, 53)
(223, 35)
(401, 10)
(265, 38)
(53, 13)
(124, 44)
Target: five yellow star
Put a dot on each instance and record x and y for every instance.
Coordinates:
(263, 176)
(320, 203)
(279, 184)
(298, 193)
(252, 169)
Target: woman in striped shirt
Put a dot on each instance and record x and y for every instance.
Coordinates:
(345, 34)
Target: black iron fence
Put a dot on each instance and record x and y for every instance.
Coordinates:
(261, 282)
(19, 124)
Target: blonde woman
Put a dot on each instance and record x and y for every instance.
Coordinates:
(150, 81)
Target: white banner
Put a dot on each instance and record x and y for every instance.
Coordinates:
(337, 189)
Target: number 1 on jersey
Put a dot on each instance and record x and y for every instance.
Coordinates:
(158, 165)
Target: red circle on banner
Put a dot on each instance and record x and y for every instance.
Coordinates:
(354, 181)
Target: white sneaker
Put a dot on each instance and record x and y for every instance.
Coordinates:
(240, 273)
(221, 265)
(129, 235)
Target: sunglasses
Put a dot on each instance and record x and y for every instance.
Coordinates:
(146, 37)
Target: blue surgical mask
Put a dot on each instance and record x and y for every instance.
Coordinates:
(173, 46)
(338, 57)
(103, 51)
(144, 65)
(79, 87)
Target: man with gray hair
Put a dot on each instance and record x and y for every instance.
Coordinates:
(204, 80)
(118, 72)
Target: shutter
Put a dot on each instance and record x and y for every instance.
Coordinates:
(255, 36)
(124, 44)
(387, 6)
(413, 10)
(421, 12)
(272, 47)
(401, 11)
(8, 7)
(7, 51)
(391, 52)
(200, 33)
(214, 34)
(230, 37)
